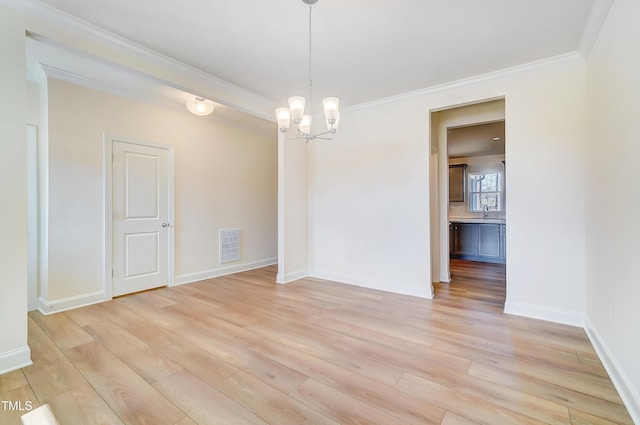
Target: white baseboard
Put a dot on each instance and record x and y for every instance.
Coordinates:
(566, 317)
(291, 276)
(15, 359)
(387, 286)
(222, 271)
(628, 393)
(63, 304)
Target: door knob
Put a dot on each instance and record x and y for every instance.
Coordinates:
(165, 224)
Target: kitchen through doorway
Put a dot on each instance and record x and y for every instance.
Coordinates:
(470, 212)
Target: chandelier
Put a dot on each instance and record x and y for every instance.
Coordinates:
(296, 111)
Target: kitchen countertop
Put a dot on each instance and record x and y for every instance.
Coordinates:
(477, 220)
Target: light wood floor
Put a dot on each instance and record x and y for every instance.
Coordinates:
(243, 350)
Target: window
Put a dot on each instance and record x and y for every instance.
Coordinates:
(485, 189)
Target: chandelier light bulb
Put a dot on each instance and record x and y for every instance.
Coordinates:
(296, 107)
(305, 125)
(283, 115)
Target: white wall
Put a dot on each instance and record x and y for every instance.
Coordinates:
(225, 177)
(292, 209)
(14, 352)
(369, 190)
(613, 198)
(369, 201)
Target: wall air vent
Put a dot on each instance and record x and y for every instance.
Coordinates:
(229, 245)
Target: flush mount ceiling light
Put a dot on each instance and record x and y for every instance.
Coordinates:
(200, 106)
(296, 112)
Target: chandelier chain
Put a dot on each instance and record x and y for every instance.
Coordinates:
(310, 80)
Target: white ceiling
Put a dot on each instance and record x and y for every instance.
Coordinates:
(362, 50)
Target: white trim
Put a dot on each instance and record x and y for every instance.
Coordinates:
(108, 140)
(128, 91)
(280, 278)
(387, 286)
(465, 82)
(621, 381)
(598, 15)
(117, 90)
(63, 304)
(15, 359)
(291, 276)
(107, 184)
(32, 217)
(222, 271)
(557, 315)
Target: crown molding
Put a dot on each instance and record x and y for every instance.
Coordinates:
(490, 76)
(598, 15)
(117, 90)
(227, 93)
(131, 93)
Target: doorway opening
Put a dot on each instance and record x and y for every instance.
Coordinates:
(468, 215)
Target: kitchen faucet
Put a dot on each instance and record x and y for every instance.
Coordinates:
(485, 208)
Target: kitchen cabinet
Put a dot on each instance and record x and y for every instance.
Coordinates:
(457, 182)
(483, 242)
(489, 240)
(465, 239)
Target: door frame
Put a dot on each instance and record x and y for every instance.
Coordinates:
(32, 217)
(108, 141)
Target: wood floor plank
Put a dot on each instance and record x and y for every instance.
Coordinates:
(323, 344)
(141, 306)
(596, 386)
(456, 378)
(429, 358)
(365, 334)
(384, 397)
(51, 373)
(119, 314)
(453, 419)
(596, 406)
(15, 389)
(63, 331)
(565, 359)
(203, 403)
(460, 403)
(215, 324)
(128, 394)
(84, 316)
(201, 363)
(186, 421)
(268, 403)
(83, 406)
(138, 355)
(581, 418)
(11, 381)
(339, 406)
(273, 373)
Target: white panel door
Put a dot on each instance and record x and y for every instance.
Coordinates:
(140, 185)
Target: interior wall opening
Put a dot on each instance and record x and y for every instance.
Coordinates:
(469, 200)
